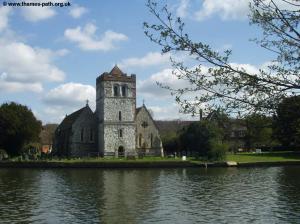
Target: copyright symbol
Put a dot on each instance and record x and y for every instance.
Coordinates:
(4, 3)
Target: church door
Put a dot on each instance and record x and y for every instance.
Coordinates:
(121, 151)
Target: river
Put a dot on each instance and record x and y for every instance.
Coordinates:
(191, 195)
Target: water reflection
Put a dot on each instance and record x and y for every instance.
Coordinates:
(218, 195)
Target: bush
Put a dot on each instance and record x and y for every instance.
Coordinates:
(217, 152)
(3, 155)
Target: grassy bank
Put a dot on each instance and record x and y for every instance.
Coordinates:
(242, 159)
(264, 157)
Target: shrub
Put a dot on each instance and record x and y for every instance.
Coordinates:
(217, 152)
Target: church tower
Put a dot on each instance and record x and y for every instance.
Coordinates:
(115, 110)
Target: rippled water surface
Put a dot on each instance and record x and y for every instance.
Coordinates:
(215, 195)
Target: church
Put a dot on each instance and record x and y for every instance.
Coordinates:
(116, 128)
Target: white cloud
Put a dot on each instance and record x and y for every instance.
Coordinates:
(226, 9)
(35, 14)
(39, 13)
(149, 88)
(24, 68)
(18, 87)
(170, 111)
(87, 40)
(72, 95)
(77, 11)
(4, 13)
(232, 9)
(22, 63)
(66, 99)
(150, 59)
(182, 9)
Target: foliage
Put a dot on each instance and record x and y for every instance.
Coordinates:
(18, 126)
(3, 155)
(170, 142)
(199, 138)
(219, 82)
(287, 121)
(218, 151)
(259, 131)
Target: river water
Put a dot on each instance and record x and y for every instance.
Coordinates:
(193, 195)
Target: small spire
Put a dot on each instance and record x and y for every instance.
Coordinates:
(87, 102)
(143, 102)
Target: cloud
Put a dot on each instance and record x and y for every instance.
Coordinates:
(182, 9)
(170, 111)
(24, 68)
(4, 13)
(150, 59)
(72, 95)
(233, 9)
(39, 13)
(87, 40)
(226, 9)
(17, 86)
(149, 88)
(77, 11)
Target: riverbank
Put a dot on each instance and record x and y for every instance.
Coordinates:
(141, 164)
(232, 160)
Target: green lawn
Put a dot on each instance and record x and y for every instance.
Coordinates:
(264, 157)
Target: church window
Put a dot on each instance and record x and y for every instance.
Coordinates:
(91, 135)
(116, 90)
(140, 140)
(124, 90)
(151, 140)
(120, 115)
(120, 133)
(81, 134)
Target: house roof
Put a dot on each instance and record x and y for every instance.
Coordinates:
(70, 119)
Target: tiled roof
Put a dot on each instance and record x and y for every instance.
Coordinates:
(116, 71)
(70, 119)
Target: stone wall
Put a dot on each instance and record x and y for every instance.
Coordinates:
(85, 125)
(148, 140)
(108, 108)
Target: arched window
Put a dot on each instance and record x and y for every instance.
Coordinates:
(120, 115)
(140, 140)
(116, 90)
(151, 140)
(124, 90)
(91, 135)
(81, 134)
(120, 133)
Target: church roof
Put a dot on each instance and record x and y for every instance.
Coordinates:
(116, 71)
(70, 119)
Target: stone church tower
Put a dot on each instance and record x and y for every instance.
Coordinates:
(115, 112)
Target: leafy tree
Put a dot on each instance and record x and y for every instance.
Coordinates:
(18, 127)
(287, 121)
(259, 131)
(221, 82)
(199, 138)
(170, 142)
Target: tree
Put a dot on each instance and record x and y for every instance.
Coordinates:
(18, 127)
(287, 121)
(259, 131)
(220, 82)
(199, 138)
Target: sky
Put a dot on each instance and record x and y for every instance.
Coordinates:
(51, 56)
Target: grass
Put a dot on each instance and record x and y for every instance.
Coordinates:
(239, 157)
(111, 160)
(264, 157)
